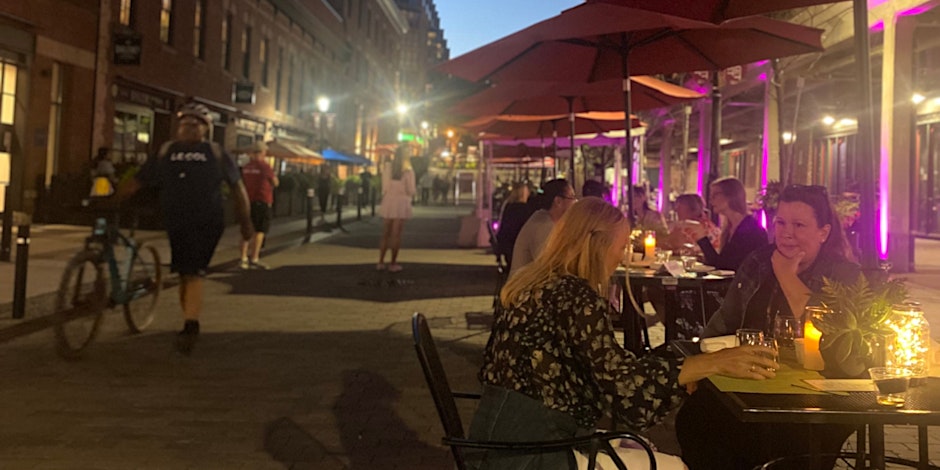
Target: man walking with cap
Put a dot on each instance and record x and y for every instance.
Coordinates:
(189, 173)
(260, 182)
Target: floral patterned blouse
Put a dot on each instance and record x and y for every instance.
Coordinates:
(557, 345)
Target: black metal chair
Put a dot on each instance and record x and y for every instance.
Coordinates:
(453, 426)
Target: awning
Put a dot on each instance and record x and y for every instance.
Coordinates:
(293, 152)
(345, 158)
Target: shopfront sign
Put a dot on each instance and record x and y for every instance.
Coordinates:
(127, 47)
(141, 97)
(244, 92)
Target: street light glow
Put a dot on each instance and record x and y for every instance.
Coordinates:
(828, 120)
(424, 125)
(787, 137)
(323, 104)
(402, 108)
(450, 133)
(918, 98)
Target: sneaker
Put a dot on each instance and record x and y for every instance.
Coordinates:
(380, 267)
(186, 339)
(244, 264)
(394, 268)
(257, 264)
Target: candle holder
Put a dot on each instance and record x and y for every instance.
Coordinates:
(649, 245)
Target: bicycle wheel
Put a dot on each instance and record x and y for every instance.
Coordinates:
(144, 282)
(80, 304)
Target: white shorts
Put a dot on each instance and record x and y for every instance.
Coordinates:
(635, 459)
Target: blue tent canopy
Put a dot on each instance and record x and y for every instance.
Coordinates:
(345, 158)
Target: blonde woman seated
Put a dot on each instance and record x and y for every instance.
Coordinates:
(690, 214)
(552, 367)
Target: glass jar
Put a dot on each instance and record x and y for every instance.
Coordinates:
(911, 347)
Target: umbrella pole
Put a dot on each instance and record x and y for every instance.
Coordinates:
(571, 138)
(867, 207)
(628, 112)
(715, 152)
(555, 147)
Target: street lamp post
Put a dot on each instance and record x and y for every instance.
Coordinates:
(323, 108)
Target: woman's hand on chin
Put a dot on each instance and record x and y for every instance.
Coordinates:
(786, 262)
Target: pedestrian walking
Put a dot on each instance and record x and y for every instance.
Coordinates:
(103, 179)
(189, 173)
(398, 187)
(260, 182)
(426, 183)
(324, 188)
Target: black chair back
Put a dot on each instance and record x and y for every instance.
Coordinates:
(437, 382)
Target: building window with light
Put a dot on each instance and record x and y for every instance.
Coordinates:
(166, 21)
(124, 12)
(199, 42)
(227, 41)
(246, 52)
(263, 60)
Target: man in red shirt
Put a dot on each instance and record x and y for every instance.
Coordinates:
(260, 182)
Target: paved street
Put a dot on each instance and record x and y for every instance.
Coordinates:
(308, 365)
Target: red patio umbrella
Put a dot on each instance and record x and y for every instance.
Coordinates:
(556, 98)
(528, 126)
(714, 11)
(543, 98)
(599, 41)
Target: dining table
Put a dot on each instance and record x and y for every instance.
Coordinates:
(689, 301)
(788, 398)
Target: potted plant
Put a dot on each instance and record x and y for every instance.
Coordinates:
(854, 334)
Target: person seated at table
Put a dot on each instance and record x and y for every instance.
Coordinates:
(514, 214)
(690, 211)
(773, 281)
(647, 218)
(553, 200)
(741, 234)
(594, 188)
(552, 367)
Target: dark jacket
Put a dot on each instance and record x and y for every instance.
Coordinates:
(748, 237)
(756, 270)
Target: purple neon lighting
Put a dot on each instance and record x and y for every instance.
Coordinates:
(763, 219)
(877, 26)
(916, 10)
(762, 77)
(883, 180)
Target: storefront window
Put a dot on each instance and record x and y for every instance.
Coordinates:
(132, 132)
(7, 92)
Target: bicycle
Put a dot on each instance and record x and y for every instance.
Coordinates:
(135, 276)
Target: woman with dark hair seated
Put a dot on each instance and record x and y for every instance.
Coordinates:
(740, 232)
(552, 367)
(775, 281)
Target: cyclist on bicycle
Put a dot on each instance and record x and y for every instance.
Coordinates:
(189, 172)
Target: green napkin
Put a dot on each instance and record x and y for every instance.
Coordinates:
(789, 380)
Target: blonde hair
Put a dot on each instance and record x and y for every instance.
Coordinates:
(577, 246)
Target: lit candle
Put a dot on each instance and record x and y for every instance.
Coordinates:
(812, 359)
(649, 245)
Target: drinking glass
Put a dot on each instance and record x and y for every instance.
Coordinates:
(662, 255)
(688, 262)
(891, 384)
(747, 336)
(771, 343)
(786, 329)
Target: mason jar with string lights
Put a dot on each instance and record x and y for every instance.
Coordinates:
(911, 347)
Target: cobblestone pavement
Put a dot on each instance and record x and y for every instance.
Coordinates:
(307, 365)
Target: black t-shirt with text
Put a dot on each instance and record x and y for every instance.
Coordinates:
(189, 177)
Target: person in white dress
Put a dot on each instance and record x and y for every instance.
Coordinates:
(398, 188)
